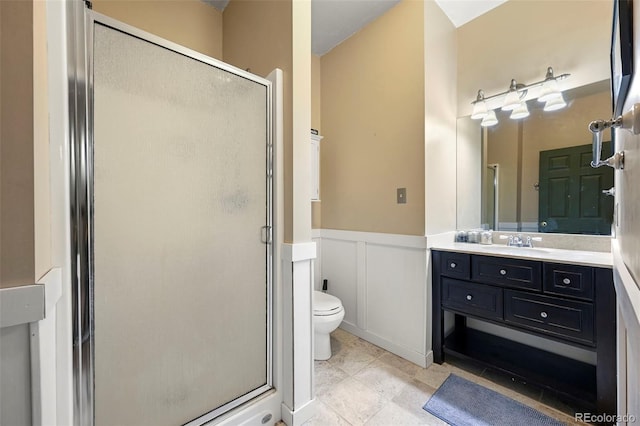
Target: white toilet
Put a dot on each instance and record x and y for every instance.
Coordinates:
(327, 316)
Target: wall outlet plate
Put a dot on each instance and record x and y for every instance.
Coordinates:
(401, 194)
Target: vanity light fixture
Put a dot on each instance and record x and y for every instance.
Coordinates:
(515, 99)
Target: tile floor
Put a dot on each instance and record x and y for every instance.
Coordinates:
(363, 384)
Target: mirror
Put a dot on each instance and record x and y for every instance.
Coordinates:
(533, 174)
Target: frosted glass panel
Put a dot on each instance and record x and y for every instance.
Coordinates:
(179, 199)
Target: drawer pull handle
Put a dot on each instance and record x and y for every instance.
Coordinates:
(503, 272)
(543, 314)
(453, 265)
(566, 281)
(469, 297)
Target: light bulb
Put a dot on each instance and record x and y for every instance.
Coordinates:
(489, 119)
(520, 112)
(511, 101)
(555, 103)
(549, 90)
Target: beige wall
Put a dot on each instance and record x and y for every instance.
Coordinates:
(191, 23)
(440, 45)
(316, 93)
(316, 123)
(42, 201)
(17, 260)
(301, 193)
(373, 126)
(521, 38)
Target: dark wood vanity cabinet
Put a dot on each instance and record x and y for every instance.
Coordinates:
(572, 304)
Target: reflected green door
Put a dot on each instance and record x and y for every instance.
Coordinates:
(571, 199)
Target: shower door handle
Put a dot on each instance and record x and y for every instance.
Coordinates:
(266, 234)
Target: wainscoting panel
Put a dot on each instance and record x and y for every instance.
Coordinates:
(396, 295)
(339, 267)
(382, 282)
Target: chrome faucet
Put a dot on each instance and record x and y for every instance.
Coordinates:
(517, 241)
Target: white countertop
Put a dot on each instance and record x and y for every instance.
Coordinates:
(575, 257)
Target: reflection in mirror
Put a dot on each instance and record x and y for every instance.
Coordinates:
(535, 174)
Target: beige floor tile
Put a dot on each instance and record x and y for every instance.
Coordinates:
(354, 401)
(337, 345)
(327, 376)
(386, 380)
(434, 375)
(431, 420)
(368, 348)
(351, 359)
(392, 414)
(325, 416)
(401, 364)
(413, 397)
(343, 336)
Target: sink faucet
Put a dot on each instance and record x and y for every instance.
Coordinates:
(517, 241)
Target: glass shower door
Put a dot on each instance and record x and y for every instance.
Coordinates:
(179, 198)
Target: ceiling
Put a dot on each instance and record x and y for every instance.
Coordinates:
(333, 21)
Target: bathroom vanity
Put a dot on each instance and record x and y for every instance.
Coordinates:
(562, 295)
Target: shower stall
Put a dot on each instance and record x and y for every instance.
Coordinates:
(172, 211)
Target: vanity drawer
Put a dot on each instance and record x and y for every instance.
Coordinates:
(508, 272)
(568, 280)
(456, 265)
(550, 315)
(476, 299)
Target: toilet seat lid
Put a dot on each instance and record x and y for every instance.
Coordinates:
(324, 303)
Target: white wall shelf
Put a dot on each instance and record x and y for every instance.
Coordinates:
(315, 167)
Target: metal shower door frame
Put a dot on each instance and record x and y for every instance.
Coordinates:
(80, 24)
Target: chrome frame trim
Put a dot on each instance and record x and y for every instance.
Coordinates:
(82, 339)
(81, 22)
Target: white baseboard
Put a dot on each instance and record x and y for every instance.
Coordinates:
(299, 416)
(429, 358)
(408, 354)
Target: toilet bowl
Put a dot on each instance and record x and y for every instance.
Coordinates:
(327, 316)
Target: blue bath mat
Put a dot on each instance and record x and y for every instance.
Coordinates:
(460, 402)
